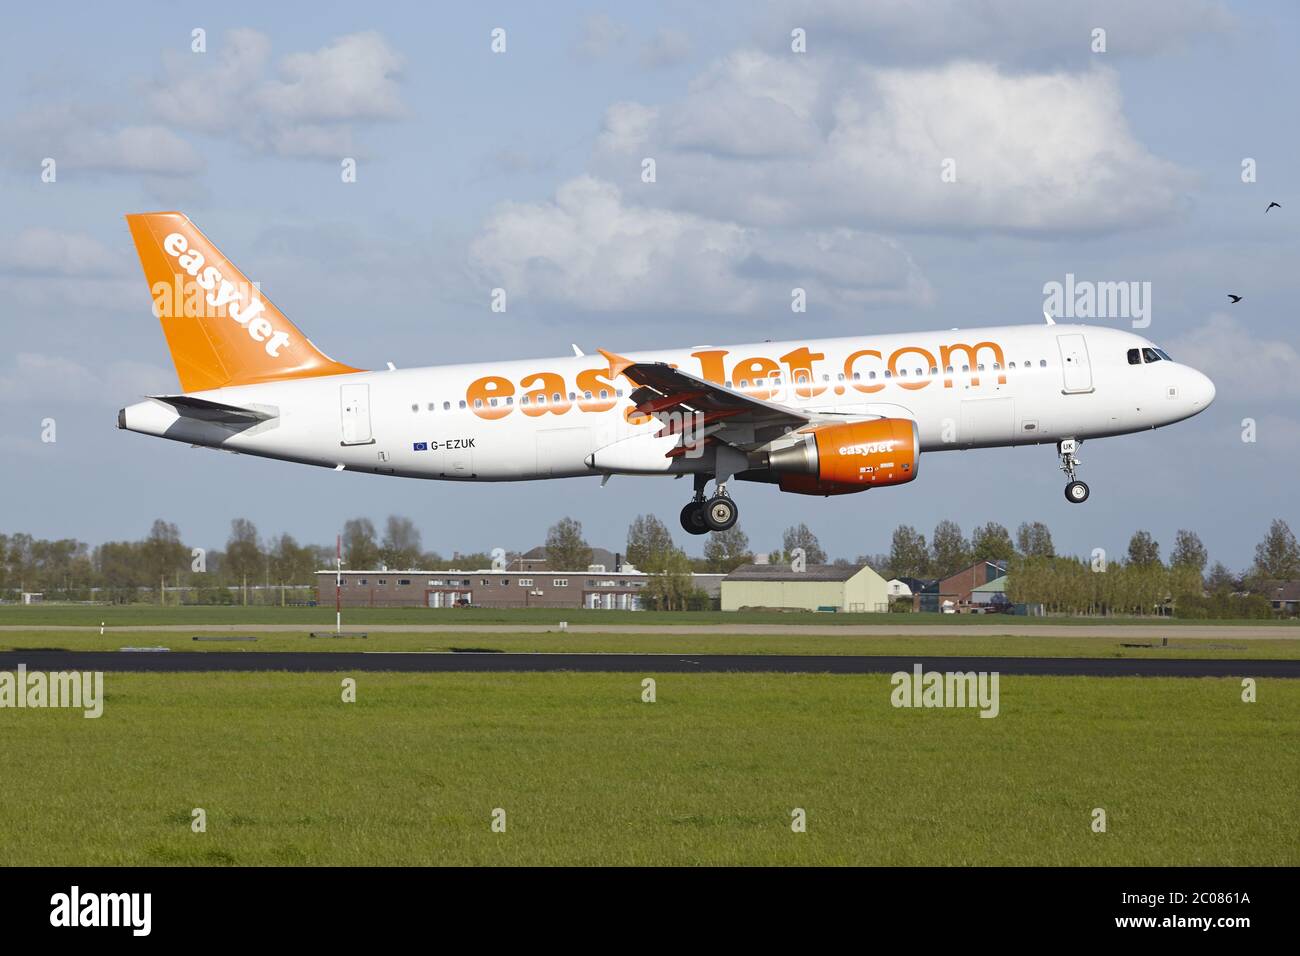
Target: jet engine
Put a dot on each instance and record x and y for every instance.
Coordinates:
(841, 458)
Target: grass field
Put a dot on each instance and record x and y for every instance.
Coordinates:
(144, 614)
(1011, 645)
(588, 774)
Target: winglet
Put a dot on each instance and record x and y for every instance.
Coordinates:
(1048, 316)
(617, 364)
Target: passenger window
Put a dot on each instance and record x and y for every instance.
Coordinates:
(965, 368)
(948, 369)
(1042, 363)
(1134, 357)
(1011, 365)
(462, 403)
(446, 406)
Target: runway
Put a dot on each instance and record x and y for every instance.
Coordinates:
(478, 662)
(1015, 627)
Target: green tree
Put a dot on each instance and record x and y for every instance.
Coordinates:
(1034, 540)
(1277, 557)
(908, 555)
(668, 586)
(163, 554)
(801, 536)
(1221, 578)
(565, 548)
(1188, 552)
(401, 546)
(1143, 550)
(948, 548)
(244, 558)
(992, 542)
(727, 550)
(291, 563)
(360, 549)
(648, 542)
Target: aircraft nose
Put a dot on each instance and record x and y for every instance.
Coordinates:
(1200, 389)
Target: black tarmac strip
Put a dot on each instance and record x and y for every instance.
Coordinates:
(477, 662)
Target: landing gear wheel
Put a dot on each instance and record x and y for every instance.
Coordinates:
(693, 518)
(1076, 492)
(720, 513)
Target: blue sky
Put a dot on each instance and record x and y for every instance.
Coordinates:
(522, 169)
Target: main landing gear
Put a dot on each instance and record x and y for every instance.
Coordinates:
(700, 516)
(1076, 492)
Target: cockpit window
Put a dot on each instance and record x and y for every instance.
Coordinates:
(1164, 355)
(1134, 357)
(1150, 355)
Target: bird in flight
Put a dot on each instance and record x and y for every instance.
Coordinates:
(1271, 205)
(1234, 298)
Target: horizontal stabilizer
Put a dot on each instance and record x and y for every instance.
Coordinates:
(208, 411)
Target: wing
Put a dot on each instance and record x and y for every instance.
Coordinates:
(676, 398)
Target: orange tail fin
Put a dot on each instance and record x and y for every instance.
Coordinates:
(220, 329)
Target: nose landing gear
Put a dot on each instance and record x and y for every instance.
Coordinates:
(718, 513)
(1076, 492)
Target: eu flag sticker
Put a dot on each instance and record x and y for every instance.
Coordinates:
(421, 446)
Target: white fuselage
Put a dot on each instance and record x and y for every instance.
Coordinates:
(967, 388)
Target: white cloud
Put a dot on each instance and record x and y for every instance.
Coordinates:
(1017, 32)
(601, 34)
(307, 110)
(592, 250)
(42, 268)
(39, 250)
(354, 78)
(749, 104)
(36, 377)
(79, 137)
(666, 48)
(209, 92)
(1245, 367)
(795, 141)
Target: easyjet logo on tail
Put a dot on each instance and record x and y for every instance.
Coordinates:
(238, 302)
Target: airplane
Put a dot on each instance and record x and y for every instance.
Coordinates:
(812, 416)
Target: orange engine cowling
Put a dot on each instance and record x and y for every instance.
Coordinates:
(841, 459)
